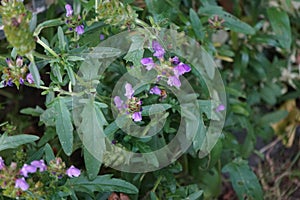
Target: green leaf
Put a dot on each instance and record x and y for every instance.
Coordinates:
(243, 180)
(147, 110)
(11, 142)
(92, 164)
(240, 109)
(35, 112)
(61, 39)
(209, 64)
(231, 21)
(35, 73)
(63, 124)
(196, 25)
(49, 155)
(91, 127)
(273, 117)
(45, 24)
(101, 184)
(281, 25)
(71, 74)
(136, 50)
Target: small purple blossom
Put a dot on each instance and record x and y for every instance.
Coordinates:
(181, 68)
(19, 61)
(175, 60)
(155, 90)
(174, 81)
(129, 91)
(9, 62)
(21, 80)
(2, 164)
(102, 37)
(9, 83)
(137, 116)
(27, 169)
(79, 29)
(118, 102)
(69, 10)
(148, 62)
(29, 78)
(73, 172)
(159, 52)
(39, 164)
(21, 183)
(220, 108)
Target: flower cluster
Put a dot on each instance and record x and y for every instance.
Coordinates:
(216, 22)
(21, 180)
(170, 70)
(16, 73)
(74, 22)
(133, 105)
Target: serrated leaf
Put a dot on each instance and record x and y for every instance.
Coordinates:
(243, 180)
(63, 124)
(196, 25)
(101, 184)
(280, 23)
(11, 142)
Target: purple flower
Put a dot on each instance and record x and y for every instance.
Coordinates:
(19, 61)
(69, 10)
(29, 78)
(175, 60)
(39, 164)
(174, 81)
(148, 62)
(2, 164)
(79, 29)
(73, 172)
(9, 83)
(220, 108)
(21, 80)
(159, 52)
(102, 37)
(137, 116)
(155, 90)
(181, 68)
(9, 62)
(118, 102)
(129, 90)
(27, 169)
(21, 183)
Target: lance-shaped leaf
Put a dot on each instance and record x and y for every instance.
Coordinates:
(63, 124)
(91, 127)
(101, 184)
(10, 142)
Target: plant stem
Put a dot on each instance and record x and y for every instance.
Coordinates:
(157, 183)
(41, 56)
(39, 41)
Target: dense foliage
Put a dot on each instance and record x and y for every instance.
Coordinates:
(92, 93)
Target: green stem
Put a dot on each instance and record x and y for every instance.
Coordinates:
(39, 41)
(157, 183)
(141, 23)
(41, 56)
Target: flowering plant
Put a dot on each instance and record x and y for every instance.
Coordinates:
(140, 90)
